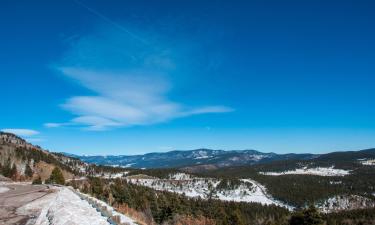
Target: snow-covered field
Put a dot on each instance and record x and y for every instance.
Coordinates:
(248, 190)
(319, 171)
(64, 207)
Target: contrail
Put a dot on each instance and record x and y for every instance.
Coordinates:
(108, 20)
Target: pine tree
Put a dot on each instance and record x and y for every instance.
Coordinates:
(28, 171)
(6, 170)
(235, 218)
(13, 171)
(56, 177)
(309, 216)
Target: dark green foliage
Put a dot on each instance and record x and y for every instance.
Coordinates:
(28, 171)
(235, 218)
(300, 190)
(228, 184)
(353, 217)
(309, 216)
(56, 177)
(96, 187)
(7, 169)
(37, 180)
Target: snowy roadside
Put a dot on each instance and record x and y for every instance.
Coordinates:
(3, 189)
(107, 210)
(65, 207)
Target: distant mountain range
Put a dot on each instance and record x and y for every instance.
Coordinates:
(177, 159)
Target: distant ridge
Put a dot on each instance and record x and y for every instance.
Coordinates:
(179, 158)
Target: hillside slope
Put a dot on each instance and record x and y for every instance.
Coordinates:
(21, 160)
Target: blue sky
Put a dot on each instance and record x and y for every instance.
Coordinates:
(130, 77)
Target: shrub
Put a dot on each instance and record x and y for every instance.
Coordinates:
(38, 180)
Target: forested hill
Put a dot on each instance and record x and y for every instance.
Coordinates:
(176, 159)
(22, 161)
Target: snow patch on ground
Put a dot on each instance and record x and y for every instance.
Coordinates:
(68, 208)
(3, 189)
(319, 171)
(123, 218)
(367, 162)
(64, 207)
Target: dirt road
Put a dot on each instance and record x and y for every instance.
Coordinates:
(15, 196)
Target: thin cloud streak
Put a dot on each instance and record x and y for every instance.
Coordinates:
(108, 20)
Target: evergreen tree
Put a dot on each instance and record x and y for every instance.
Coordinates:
(28, 171)
(309, 216)
(56, 177)
(13, 171)
(6, 170)
(235, 218)
(96, 186)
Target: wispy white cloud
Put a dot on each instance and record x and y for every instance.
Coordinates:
(21, 132)
(129, 82)
(53, 125)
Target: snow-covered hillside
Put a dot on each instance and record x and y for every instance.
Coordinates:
(319, 171)
(245, 190)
